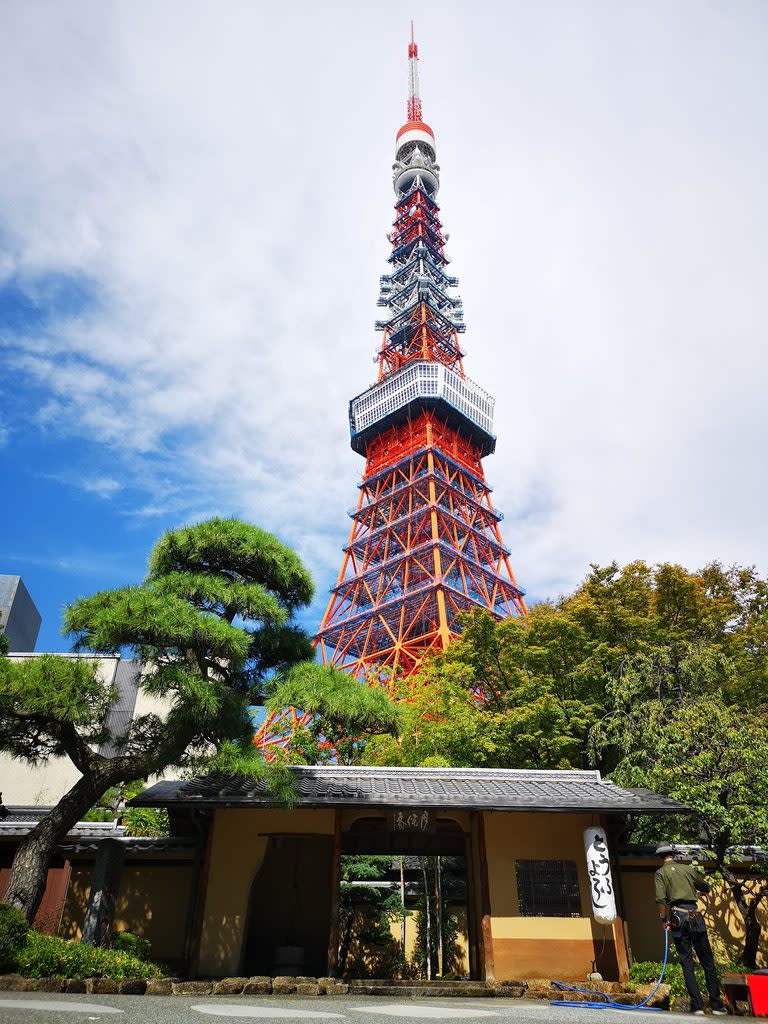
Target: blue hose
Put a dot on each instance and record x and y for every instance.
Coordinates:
(606, 1003)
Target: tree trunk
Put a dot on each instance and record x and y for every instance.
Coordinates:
(345, 944)
(748, 911)
(30, 865)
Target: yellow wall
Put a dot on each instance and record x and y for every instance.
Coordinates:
(726, 928)
(410, 935)
(238, 844)
(153, 903)
(541, 947)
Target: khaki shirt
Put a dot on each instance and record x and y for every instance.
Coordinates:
(679, 883)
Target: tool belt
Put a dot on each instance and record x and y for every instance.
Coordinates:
(681, 919)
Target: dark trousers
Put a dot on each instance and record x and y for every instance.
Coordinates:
(686, 942)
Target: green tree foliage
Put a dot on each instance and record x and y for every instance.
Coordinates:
(711, 756)
(366, 945)
(14, 929)
(656, 675)
(444, 929)
(527, 692)
(211, 624)
(345, 714)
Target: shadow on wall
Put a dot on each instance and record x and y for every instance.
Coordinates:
(153, 903)
(290, 908)
(727, 925)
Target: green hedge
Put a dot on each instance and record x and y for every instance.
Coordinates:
(14, 929)
(646, 972)
(127, 942)
(45, 956)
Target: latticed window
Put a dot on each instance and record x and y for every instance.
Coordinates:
(548, 888)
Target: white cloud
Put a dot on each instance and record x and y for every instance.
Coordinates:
(104, 486)
(220, 187)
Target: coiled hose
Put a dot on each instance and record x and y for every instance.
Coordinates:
(605, 1002)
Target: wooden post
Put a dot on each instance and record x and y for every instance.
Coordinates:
(620, 939)
(439, 915)
(200, 894)
(105, 885)
(487, 961)
(473, 903)
(333, 934)
(402, 906)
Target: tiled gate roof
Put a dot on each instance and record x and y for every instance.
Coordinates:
(439, 788)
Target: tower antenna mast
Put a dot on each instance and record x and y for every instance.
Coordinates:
(414, 100)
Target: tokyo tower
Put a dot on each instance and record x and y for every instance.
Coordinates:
(425, 546)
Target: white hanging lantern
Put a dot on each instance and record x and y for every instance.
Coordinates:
(601, 889)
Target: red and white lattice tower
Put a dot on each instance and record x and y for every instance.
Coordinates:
(425, 546)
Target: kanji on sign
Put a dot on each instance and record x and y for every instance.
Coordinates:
(413, 821)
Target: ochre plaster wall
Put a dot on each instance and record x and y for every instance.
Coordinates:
(541, 947)
(411, 925)
(726, 928)
(238, 843)
(153, 902)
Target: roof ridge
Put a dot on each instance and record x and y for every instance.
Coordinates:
(535, 773)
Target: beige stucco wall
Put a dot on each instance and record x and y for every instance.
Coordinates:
(539, 947)
(238, 843)
(153, 902)
(411, 926)
(45, 783)
(726, 928)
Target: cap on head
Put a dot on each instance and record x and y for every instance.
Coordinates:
(665, 850)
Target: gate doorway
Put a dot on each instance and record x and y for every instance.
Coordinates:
(404, 900)
(290, 908)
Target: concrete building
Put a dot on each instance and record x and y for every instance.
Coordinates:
(23, 784)
(19, 618)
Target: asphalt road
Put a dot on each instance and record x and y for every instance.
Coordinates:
(44, 1008)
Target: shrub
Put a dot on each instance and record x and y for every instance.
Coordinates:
(45, 956)
(646, 972)
(127, 942)
(14, 929)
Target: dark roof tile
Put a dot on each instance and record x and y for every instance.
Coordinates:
(481, 788)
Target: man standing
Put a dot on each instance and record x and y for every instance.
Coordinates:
(677, 888)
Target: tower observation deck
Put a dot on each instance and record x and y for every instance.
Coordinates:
(425, 546)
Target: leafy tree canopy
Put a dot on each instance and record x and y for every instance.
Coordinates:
(527, 692)
(211, 626)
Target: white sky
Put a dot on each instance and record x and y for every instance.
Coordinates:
(219, 175)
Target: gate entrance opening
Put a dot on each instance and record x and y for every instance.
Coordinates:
(403, 899)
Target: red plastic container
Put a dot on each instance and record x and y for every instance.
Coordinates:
(758, 991)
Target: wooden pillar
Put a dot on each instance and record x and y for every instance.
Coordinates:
(333, 932)
(201, 820)
(199, 896)
(473, 904)
(105, 885)
(620, 938)
(487, 966)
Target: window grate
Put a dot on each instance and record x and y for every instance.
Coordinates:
(548, 888)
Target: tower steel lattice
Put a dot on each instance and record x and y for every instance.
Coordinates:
(425, 546)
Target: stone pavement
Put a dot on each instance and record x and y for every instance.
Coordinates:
(46, 1008)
